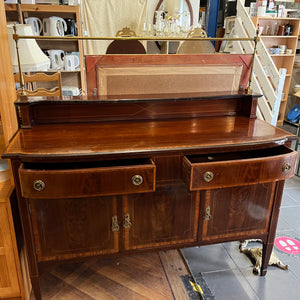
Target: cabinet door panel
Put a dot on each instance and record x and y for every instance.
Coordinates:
(236, 211)
(66, 228)
(168, 216)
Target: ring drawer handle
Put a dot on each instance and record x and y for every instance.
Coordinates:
(137, 180)
(38, 185)
(286, 167)
(208, 176)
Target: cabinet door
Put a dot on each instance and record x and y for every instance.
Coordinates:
(165, 217)
(67, 228)
(231, 212)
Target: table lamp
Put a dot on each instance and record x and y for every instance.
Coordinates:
(26, 55)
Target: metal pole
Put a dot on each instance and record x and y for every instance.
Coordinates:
(23, 94)
(17, 37)
(256, 39)
(76, 38)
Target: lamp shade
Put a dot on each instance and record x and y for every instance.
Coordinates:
(32, 58)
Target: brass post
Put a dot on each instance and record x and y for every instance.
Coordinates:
(256, 39)
(77, 38)
(23, 95)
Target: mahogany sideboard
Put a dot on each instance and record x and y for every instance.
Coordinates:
(112, 175)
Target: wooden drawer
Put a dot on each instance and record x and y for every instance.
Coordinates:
(71, 180)
(238, 168)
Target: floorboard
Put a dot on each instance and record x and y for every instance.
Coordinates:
(147, 276)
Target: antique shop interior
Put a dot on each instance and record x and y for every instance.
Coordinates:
(149, 149)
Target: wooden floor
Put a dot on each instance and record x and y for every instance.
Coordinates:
(155, 276)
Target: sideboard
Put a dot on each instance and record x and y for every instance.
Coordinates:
(113, 175)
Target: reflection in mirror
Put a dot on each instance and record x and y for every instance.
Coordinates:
(172, 18)
(175, 10)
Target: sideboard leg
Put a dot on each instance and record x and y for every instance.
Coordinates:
(35, 282)
(266, 254)
(269, 242)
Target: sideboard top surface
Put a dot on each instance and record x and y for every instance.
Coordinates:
(142, 137)
(138, 98)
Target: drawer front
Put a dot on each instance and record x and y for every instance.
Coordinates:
(218, 171)
(70, 183)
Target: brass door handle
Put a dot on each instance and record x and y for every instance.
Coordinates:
(127, 223)
(115, 226)
(207, 215)
(39, 185)
(137, 180)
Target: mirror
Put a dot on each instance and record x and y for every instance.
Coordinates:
(173, 18)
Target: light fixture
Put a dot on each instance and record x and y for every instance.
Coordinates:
(32, 58)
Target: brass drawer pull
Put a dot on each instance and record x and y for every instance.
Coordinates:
(286, 167)
(137, 180)
(207, 215)
(127, 223)
(115, 226)
(208, 176)
(38, 185)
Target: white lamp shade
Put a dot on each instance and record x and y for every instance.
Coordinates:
(32, 58)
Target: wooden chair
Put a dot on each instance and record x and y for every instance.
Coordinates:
(125, 46)
(30, 80)
(196, 47)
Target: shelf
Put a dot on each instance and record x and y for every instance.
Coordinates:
(279, 36)
(274, 18)
(291, 123)
(282, 60)
(282, 55)
(42, 8)
(41, 11)
(61, 71)
(287, 75)
(10, 7)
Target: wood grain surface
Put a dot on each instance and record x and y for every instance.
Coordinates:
(68, 182)
(143, 137)
(239, 168)
(134, 107)
(150, 276)
(171, 216)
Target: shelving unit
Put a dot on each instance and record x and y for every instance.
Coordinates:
(11, 281)
(18, 12)
(284, 60)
